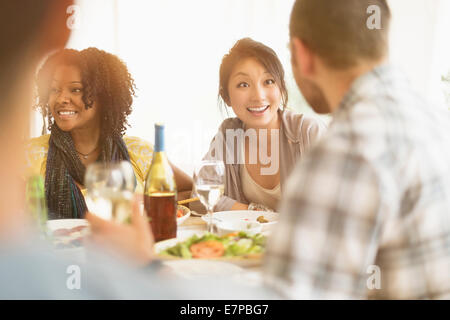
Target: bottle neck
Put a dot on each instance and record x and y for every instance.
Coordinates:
(159, 156)
(159, 139)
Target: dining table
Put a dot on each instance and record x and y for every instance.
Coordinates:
(247, 273)
(250, 275)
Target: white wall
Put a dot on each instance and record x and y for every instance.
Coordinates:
(420, 42)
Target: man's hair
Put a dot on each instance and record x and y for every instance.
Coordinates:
(337, 30)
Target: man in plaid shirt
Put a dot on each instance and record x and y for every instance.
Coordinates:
(367, 213)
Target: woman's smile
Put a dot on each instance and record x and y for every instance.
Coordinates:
(65, 114)
(254, 95)
(258, 111)
(66, 100)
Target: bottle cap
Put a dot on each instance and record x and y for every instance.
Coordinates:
(159, 137)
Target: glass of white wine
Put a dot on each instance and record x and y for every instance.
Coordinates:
(110, 190)
(209, 183)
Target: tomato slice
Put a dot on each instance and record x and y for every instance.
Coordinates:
(77, 229)
(180, 213)
(232, 234)
(61, 232)
(207, 249)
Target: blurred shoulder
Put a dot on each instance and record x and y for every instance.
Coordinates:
(138, 147)
(38, 142)
(36, 150)
(299, 126)
(141, 154)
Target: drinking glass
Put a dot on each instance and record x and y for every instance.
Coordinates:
(209, 186)
(110, 190)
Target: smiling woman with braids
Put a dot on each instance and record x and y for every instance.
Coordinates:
(86, 97)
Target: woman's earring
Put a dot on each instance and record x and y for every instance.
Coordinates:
(43, 126)
(49, 121)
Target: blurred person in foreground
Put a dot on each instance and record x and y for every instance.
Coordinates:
(29, 269)
(366, 212)
(26, 35)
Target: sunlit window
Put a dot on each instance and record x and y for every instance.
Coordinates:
(173, 49)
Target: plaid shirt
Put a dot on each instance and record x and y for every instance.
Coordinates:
(366, 214)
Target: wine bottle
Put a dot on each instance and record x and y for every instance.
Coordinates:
(36, 204)
(160, 193)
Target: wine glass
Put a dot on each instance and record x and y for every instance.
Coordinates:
(209, 185)
(110, 190)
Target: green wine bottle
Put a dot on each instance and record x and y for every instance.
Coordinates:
(160, 194)
(36, 204)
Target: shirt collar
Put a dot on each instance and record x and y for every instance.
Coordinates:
(366, 84)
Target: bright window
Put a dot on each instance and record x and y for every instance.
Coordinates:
(173, 49)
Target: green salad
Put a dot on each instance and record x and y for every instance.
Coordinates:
(213, 246)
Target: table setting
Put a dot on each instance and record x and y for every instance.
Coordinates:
(210, 244)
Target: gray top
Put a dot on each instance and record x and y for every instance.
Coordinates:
(297, 134)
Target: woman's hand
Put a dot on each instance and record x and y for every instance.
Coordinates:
(239, 206)
(258, 207)
(133, 242)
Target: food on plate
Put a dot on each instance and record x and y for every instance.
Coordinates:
(207, 249)
(66, 232)
(236, 244)
(61, 232)
(182, 213)
(261, 219)
(64, 238)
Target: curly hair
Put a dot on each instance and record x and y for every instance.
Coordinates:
(105, 79)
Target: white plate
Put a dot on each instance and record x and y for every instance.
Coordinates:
(53, 225)
(245, 215)
(226, 227)
(194, 269)
(244, 261)
(63, 242)
(183, 218)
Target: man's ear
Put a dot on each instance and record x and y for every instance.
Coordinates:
(302, 56)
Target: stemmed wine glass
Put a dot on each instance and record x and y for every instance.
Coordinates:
(110, 190)
(209, 182)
